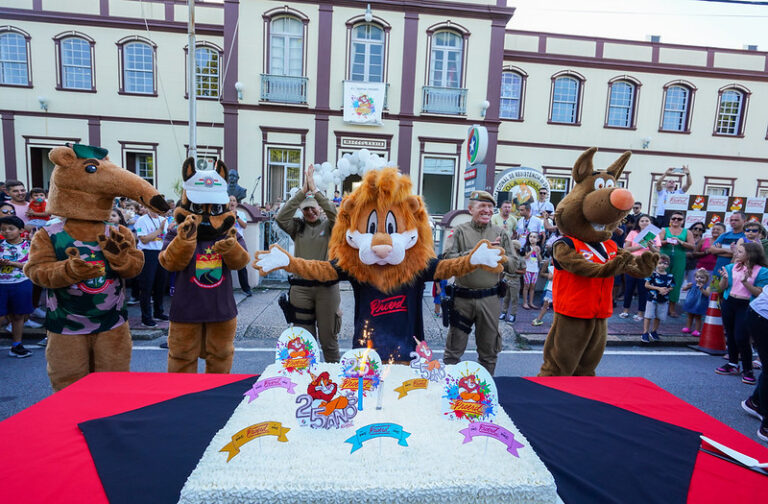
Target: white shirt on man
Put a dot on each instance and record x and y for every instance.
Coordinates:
(537, 207)
(146, 225)
(530, 225)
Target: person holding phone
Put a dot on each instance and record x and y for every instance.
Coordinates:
(666, 186)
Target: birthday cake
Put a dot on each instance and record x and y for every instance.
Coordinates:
(306, 437)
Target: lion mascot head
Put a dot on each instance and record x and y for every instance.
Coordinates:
(382, 234)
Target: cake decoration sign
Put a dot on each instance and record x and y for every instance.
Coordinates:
(425, 363)
(408, 385)
(470, 393)
(378, 430)
(494, 431)
(357, 364)
(255, 431)
(322, 408)
(297, 351)
(274, 382)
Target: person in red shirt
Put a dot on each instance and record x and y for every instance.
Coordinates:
(36, 214)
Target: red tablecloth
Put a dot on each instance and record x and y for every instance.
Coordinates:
(45, 457)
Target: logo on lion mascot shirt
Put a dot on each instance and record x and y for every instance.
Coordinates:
(389, 305)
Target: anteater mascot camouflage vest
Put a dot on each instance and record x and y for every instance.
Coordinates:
(382, 244)
(586, 260)
(83, 262)
(202, 251)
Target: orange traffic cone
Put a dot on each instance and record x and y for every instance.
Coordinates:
(712, 340)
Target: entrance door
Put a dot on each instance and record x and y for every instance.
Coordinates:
(40, 167)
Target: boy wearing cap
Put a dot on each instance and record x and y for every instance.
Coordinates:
(316, 303)
(476, 295)
(15, 287)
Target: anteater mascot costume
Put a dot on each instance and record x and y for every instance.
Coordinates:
(202, 251)
(586, 260)
(382, 244)
(83, 262)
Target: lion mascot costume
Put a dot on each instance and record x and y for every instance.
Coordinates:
(83, 262)
(382, 244)
(202, 250)
(586, 260)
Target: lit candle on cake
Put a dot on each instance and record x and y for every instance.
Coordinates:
(384, 374)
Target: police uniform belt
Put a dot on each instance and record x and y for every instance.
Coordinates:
(463, 292)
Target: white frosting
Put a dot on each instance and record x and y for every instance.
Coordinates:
(316, 466)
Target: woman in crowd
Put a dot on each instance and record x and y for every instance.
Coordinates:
(692, 256)
(631, 245)
(675, 242)
(707, 260)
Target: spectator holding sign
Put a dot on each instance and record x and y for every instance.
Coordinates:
(633, 245)
(676, 241)
(666, 186)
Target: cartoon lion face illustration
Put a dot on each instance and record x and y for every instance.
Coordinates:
(382, 234)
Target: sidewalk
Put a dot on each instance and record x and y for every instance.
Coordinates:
(260, 322)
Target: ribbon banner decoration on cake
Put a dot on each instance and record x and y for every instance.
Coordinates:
(375, 431)
(470, 393)
(360, 363)
(408, 385)
(262, 385)
(493, 431)
(425, 362)
(322, 408)
(253, 432)
(297, 350)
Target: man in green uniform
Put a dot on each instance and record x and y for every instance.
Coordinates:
(315, 304)
(476, 299)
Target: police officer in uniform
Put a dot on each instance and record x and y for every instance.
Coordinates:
(312, 304)
(476, 295)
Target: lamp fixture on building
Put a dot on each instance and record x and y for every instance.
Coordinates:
(646, 142)
(43, 103)
(483, 107)
(239, 88)
(368, 14)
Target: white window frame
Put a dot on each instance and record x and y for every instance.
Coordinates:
(286, 185)
(734, 126)
(681, 121)
(367, 44)
(144, 72)
(453, 185)
(625, 108)
(287, 37)
(139, 167)
(445, 51)
(558, 102)
(213, 78)
(511, 98)
(65, 42)
(717, 190)
(7, 33)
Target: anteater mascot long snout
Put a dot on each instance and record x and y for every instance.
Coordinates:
(83, 262)
(586, 260)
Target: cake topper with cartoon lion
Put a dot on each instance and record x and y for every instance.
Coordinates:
(382, 244)
(586, 260)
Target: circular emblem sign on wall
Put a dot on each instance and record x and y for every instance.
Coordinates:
(477, 144)
(522, 184)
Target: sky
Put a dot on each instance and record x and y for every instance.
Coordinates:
(690, 22)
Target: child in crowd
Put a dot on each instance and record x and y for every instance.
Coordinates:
(15, 288)
(532, 255)
(696, 301)
(36, 211)
(547, 299)
(513, 272)
(438, 291)
(659, 285)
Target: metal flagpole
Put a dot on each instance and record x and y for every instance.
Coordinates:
(192, 80)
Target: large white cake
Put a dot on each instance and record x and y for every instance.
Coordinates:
(316, 466)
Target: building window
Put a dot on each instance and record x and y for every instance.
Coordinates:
(566, 96)
(622, 103)
(286, 49)
(284, 171)
(558, 188)
(76, 63)
(715, 190)
(762, 188)
(138, 60)
(446, 60)
(731, 111)
(678, 103)
(367, 55)
(14, 57)
(206, 72)
(719, 186)
(511, 101)
(142, 164)
(437, 184)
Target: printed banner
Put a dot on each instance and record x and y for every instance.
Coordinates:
(378, 430)
(494, 431)
(262, 385)
(519, 185)
(408, 385)
(363, 102)
(676, 202)
(253, 432)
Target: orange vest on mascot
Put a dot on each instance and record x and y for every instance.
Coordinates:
(582, 297)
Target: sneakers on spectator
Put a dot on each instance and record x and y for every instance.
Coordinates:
(728, 369)
(645, 337)
(32, 324)
(511, 319)
(38, 313)
(748, 377)
(655, 336)
(248, 293)
(623, 315)
(43, 342)
(536, 322)
(161, 316)
(757, 364)
(148, 323)
(19, 351)
(695, 334)
(762, 433)
(751, 408)
(637, 318)
(502, 316)
(685, 330)
(133, 301)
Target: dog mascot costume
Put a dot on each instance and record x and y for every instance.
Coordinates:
(586, 260)
(202, 251)
(83, 263)
(382, 244)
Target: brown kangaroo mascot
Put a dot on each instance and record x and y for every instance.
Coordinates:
(586, 260)
(83, 263)
(203, 250)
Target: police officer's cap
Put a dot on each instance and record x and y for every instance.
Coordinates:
(482, 196)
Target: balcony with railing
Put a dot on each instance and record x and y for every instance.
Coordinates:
(443, 100)
(283, 89)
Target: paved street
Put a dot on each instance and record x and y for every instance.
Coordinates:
(683, 372)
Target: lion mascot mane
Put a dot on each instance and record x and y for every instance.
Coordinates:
(586, 260)
(382, 244)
